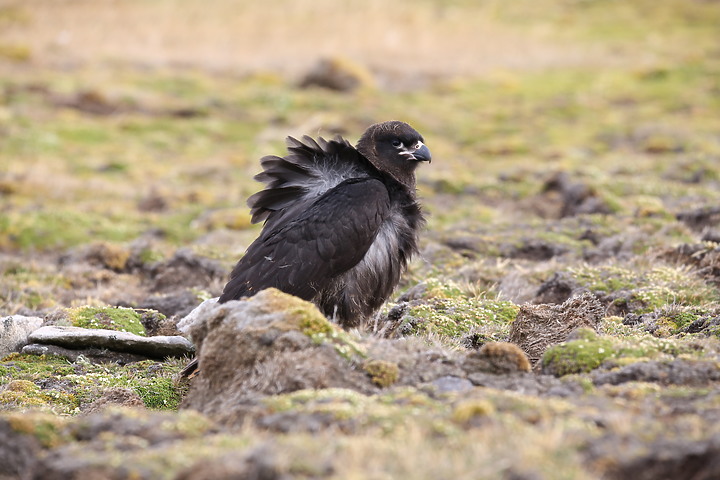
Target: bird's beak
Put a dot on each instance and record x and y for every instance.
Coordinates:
(422, 154)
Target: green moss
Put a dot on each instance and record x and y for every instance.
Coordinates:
(23, 386)
(589, 351)
(61, 227)
(382, 373)
(69, 386)
(110, 318)
(159, 393)
(33, 367)
(577, 356)
(647, 288)
(672, 323)
(24, 394)
(455, 317)
(436, 288)
(306, 317)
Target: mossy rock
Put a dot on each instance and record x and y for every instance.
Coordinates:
(382, 373)
(468, 410)
(108, 318)
(24, 394)
(305, 317)
(582, 355)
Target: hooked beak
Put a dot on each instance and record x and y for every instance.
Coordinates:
(419, 153)
(422, 153)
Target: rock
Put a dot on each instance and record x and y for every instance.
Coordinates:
(101, 438)
(451, 383)
(534, 250)
(527, 384)
(80, 338)
(174, 303)
(537, 327)
(271, 343)
(557, 289)
(678, 372)
(628, 458)
(700, 218)
(416, 363)
(338, 74)
(17, 452)
(562, 197)
(196, 316)
(300, 422)
(14, 331)
(497, 358)
(95, 355)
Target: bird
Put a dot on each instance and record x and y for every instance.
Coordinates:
(341, 222)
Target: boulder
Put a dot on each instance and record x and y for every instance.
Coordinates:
(14, 331)
(268, 344)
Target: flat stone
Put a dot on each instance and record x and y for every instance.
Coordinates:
(451, 383)
(94, 355)
(14, 331)
(80, 338)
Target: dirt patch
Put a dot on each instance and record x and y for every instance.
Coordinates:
(184, 270)
(116, 397)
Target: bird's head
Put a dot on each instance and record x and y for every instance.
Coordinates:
(394, 148)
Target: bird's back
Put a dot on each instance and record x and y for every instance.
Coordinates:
(338, 230)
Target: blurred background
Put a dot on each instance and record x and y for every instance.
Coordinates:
(402, 40)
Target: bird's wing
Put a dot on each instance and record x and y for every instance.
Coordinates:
(296, 180)
(305, 254)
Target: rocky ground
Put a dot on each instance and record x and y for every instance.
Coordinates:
(562, 321)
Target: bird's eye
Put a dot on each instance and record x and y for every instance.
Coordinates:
(396, 143)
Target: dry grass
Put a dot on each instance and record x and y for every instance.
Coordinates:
(408, 38)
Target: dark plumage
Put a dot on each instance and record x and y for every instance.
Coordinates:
(341, 222)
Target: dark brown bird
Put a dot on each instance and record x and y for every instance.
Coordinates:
(341, 222)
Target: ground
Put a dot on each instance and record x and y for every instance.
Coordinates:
(575, 155)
